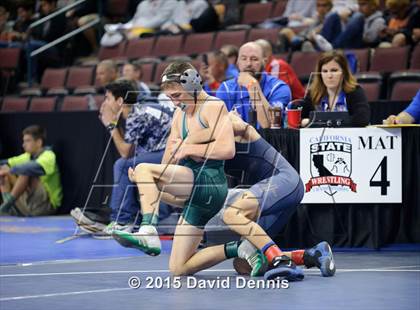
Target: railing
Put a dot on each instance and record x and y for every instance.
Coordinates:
(59, 40)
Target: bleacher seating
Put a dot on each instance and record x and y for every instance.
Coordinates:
(383, 72)
(254, 13)
(52, 83)
(14, 104)
(42, 104)
(404, 90)
(75, 103)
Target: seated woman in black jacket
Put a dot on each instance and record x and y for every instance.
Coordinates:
(334, 88)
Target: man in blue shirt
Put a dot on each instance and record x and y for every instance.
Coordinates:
(411, 115)
(254, 87)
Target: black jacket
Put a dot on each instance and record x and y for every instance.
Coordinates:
(357, 105)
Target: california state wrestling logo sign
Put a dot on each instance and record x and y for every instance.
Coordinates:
(331, 165)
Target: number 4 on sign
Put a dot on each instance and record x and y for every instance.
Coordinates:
(383, 183)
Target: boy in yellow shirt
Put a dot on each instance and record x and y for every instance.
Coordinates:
(30, 183)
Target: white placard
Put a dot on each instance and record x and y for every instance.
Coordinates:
(351, 165)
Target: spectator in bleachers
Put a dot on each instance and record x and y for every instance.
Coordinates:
(253, 89)
(300, 13)
(25, 16)
(335, 89)
(207, 21)
(231, 52)
(142, 140)
(81, 15)
(6, 26)
(288, 37)
(132, 72)
(362, 29)
(149, 17)
(152, 16)
(281, 69)
(30, 183)
(44, 34)
(106, 72)
(184, 13)
(404, 19)
(214, 73)
(345, 8)
(411, 115)
(52, 29)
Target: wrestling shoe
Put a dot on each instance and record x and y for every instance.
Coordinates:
(146, 239)
(107, 232)
(85, 223)
(283, 267)
(322, 257)
(250, 260)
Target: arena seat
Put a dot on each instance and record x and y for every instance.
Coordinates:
(372, 90)
(112, 51)
(168, 45)
(415, 58)
(138, 48)
(304, 63)
(42, 104)
(267, 34)
(404, 90)
(147, 72)
(387, 60)
(52, 83)
(198, 43)
(9, 61)
(254, 13)
(363, 57)
(80, 79)
(229, 37)
(14, 104)
(75, 103)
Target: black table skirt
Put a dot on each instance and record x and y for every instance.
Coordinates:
(370, 225)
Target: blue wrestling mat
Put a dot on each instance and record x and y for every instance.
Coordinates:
(27, 240)
(37, 272)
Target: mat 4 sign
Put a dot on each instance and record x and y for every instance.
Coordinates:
(350, 165)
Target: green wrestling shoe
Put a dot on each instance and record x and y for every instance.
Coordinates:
(251, 256)
(258, 263)
(146, 240)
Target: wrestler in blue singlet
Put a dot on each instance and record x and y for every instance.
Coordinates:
(272, 180)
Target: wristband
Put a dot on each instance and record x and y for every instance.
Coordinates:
(111, 126)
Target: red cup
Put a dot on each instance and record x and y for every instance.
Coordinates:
(294, 117)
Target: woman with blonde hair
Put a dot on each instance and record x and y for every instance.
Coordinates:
(334, 88)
